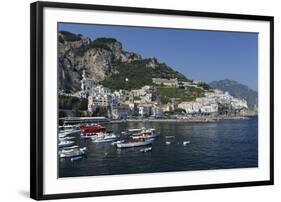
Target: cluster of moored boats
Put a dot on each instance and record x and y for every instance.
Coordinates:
(129, 138)
(99, 134)
(66, 144)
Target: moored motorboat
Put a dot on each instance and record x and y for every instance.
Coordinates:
(67, 132)
(134, 143)
(146, 134)
(104, 137)
(90, 131)
(185, 143)
(135, 130)
(71, 154)
(67, 138)
(74, 151)
(72, 148)
(66, 143)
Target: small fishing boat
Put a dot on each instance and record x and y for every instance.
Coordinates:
(72, 148)
(104, 137)
(90, 131)
(145, 134)
(71, 154)
(167, 142)
(135, 130)
(67, 138)
(134, 143)
(74, 152)
(67, 132)
(66, 143)
(146, 149)
(186, 142)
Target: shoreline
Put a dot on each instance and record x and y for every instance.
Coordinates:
(205, 120)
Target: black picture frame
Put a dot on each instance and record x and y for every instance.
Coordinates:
(37, 99)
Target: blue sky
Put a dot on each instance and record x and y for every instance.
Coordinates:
(200, 55)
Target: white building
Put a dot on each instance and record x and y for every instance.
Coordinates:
(157, 111)
(238, 104)
(145, 110)
(166, 82)
(212, 108)
(210, 103)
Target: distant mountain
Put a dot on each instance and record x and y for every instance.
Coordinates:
(237, 90)
(104, 60)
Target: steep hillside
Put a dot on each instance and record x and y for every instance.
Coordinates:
(104, 61)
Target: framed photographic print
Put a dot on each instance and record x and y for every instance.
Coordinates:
(136, 100)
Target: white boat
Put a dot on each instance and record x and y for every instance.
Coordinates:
(66, 143)
(64, 149)
(146, 134)
(135, 130)
(71, 154)
(134, 143)
(146, 149)
(186, 142)
(119, 141)
(67, 138)
(104, 137)
(67, 132)
(73, 151)
(167, 142)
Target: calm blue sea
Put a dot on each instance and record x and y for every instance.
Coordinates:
(221, 145)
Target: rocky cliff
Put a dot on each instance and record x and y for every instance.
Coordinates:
(100, 59)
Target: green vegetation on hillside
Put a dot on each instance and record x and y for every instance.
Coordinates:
(181, 95)
(130, 76)
(205, 86)
(135, 75)
(69, 103)
(100, 111)
(105, 40)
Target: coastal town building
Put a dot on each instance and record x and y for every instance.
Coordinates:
(120, 112)
(156, 111)
(168, 107)
(210, 103)
(144, 110)
(166, 82)
(122, 103)
(188, 84)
